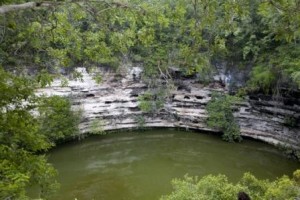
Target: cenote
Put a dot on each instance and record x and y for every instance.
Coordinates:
(141, 164)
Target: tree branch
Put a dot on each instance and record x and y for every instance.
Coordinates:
(15, 7)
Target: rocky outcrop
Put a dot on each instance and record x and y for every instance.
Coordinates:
(114, 103)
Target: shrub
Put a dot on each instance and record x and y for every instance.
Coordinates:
(218, 187)
(57, 120)
(221, 116)
(151, 102)
(97, 127)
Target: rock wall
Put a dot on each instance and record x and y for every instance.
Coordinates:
(114, 103)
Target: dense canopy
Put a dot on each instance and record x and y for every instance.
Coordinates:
(257, 36)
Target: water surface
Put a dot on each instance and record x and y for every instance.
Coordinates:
(140, 165)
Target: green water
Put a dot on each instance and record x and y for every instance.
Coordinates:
(140, 165)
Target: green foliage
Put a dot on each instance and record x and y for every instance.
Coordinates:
(97, 127)
(18, 127)
(146, 102)
(141, 121)
(218, 187)
(64, 82)
(296, 77)
(97, 78)
(220, 114)
(158, 34)
(20, 169)
(57, 120)
(151, 102)
(20, 140)
(262, 78)
(208, 188)
(190, 35)
(44, 78)
(276, 69)
(22, 136)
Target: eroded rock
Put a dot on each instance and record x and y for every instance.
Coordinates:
(116, 105)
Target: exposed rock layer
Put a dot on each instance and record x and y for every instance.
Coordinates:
(114, 103)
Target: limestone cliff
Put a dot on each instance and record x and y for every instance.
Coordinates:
(114, 103)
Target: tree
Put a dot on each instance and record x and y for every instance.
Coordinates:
(268, 40)
(24, 136)
(20, 141)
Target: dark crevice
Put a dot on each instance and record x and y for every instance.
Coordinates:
(134, 95)
(199, 97)
(134, 109)
(90, 95)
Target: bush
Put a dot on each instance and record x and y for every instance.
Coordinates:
(151, 102)
(221, 116)
(218, 187)
(58, 121)
(97, 127)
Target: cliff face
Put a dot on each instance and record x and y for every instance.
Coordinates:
(114, 103)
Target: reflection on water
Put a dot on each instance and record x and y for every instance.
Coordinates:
(141, 165)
